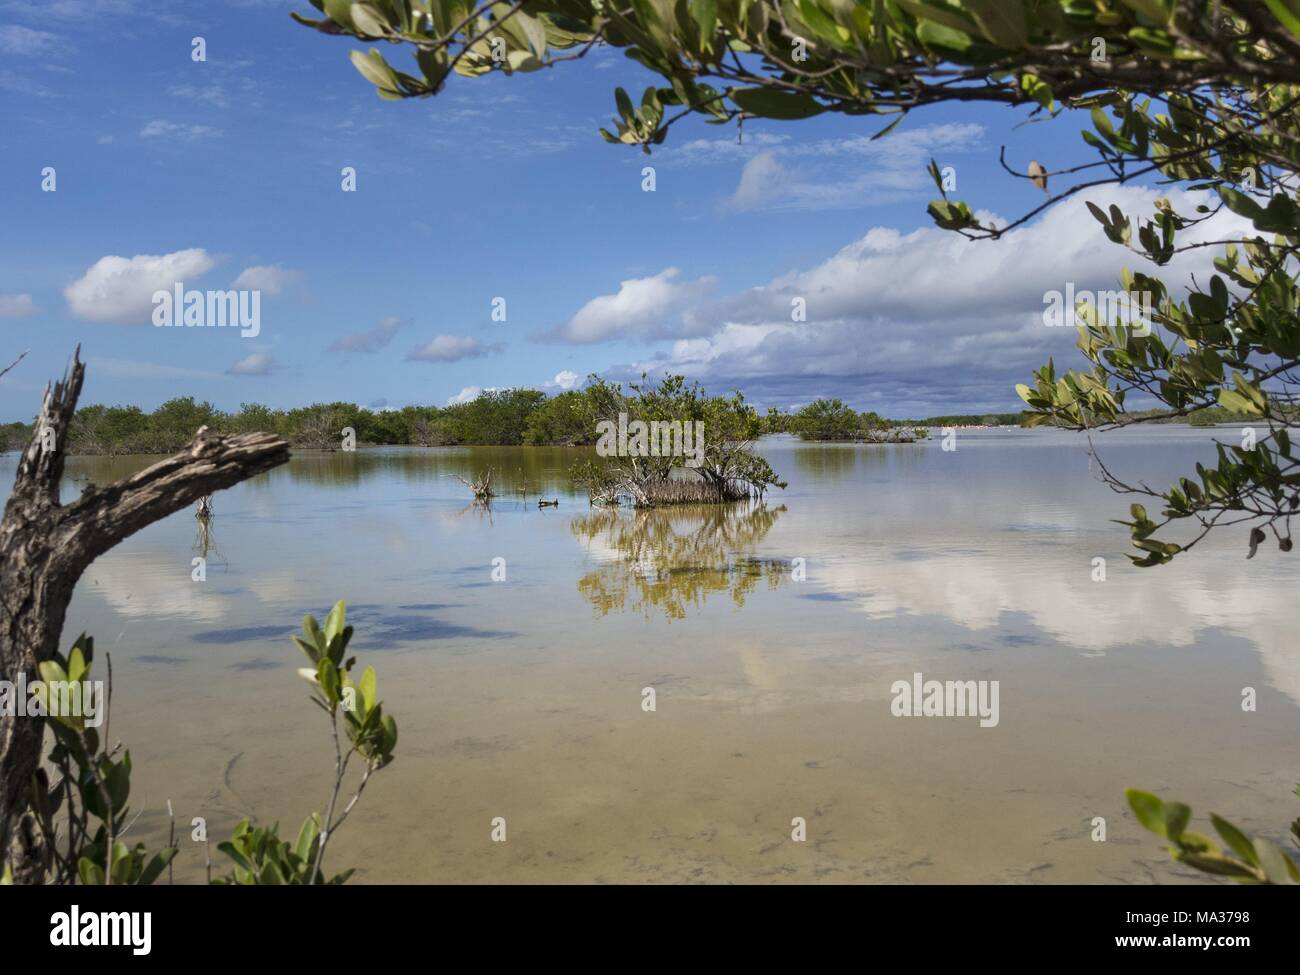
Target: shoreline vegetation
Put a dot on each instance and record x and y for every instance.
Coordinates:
(686, 447)
(510, 417)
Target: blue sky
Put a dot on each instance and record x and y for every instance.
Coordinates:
(229, 170)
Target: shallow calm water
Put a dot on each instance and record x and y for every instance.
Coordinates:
(522, 698)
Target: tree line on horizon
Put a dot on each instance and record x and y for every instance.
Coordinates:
(507, 417)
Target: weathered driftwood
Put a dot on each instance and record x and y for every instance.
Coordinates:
(481, 486)
(45, 546)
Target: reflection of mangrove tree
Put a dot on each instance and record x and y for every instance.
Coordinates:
(674, 558)
(823, 462)
(835, 461)
(515, 472)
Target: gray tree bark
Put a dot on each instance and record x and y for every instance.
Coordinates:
(45, 546)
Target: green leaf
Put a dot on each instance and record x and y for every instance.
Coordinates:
(1234, 402)
(1217, 865)
(950, 215)
(327, 676)
(705, 15)
(77, 666)
(368, 21)
(933, 170)
(1001, 21)
(338, 645)
(1149, 810)
(1251, 391)
(375, 69)
(1177, 816)
(1272, 861)
(533, 30)
(1156, 43)
(156, 866)
(825, 27)
(334, 623)
(1235, 839)
(92, 874)
(1279, 217)
(773, 103)
(890, 128)
(366, 690)
(944, 40)
(232, 851)
(1289, 18)
(307, 836)
(118, 782)
(121, 862)
(1098, 213)
(1240, 204)
(339, 11)
(624, 104)
(313, 653)
(312, 629)
(1038, 90)
(1197, 843)
(939, 13)
(1155, 10)
(1102, 123)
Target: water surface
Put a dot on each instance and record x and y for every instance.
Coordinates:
(522, 698)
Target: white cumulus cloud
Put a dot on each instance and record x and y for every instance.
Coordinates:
(120, 289)
(925, 320)
(644, 308)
